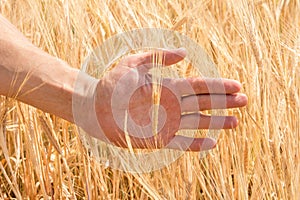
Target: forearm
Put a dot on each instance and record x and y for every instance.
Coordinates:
(33, 76)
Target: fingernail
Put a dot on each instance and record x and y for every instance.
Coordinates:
(182, 51)
(208, 144)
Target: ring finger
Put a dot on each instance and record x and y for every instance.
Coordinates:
(201, 121)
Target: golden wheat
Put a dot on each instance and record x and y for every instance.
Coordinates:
(255, 42)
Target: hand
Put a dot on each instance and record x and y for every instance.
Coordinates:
(125, 92)
(101, 107)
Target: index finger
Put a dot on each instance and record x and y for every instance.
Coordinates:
(206, 86)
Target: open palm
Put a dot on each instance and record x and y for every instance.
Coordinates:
(124, 101)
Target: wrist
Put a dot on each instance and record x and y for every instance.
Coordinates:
(84, 105)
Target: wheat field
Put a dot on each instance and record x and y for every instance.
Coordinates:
(256, 42)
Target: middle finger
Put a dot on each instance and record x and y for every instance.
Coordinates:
(195, 103)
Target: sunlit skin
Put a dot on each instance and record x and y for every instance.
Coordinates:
(173, 99)
(32, 76)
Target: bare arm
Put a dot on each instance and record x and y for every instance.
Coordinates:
(32, 76)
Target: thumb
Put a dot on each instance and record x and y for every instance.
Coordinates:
(164, 56)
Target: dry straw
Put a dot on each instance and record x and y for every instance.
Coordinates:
(255, 42)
